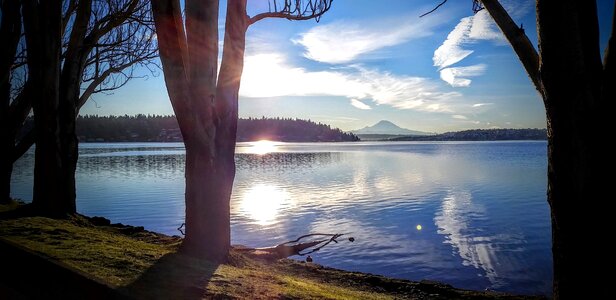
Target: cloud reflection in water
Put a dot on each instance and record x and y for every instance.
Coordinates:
(456, 220)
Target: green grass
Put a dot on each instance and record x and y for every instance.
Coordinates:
(295, 287)
(13, 204)
(112, 257)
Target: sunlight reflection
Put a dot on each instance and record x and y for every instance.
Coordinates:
(262, 203)
(262, 147)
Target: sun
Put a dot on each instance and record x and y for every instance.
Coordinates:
(262, 147)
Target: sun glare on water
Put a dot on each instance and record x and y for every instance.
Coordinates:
(262, 203)
(262, 147)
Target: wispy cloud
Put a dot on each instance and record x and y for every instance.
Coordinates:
(481, 104)
(459, 117)
(470, 30)
(451, 52)
(457, 76)
(355, 82)
(360, 104)
(345, 41)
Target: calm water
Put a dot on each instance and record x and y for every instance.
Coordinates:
(481, 205)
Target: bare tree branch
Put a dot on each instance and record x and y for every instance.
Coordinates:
(297, 246)
(518, 39)
(295, 10)
(434, 9)
(476, 7)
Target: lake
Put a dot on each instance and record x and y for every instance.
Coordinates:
(471, 214)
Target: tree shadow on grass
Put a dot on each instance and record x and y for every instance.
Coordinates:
(174, 276)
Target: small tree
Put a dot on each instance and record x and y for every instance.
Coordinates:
(205, 103)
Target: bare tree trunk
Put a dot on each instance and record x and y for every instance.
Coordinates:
(70, 83)
(6, 162)
(207, 208)
(10, 31)
(206, 105)
(43, 25)
(571, 72)
(576, 88)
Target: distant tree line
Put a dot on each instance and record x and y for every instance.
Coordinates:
(290, 130)
(156, 128)
(481, 135)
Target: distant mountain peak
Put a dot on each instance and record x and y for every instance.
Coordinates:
(388, 127)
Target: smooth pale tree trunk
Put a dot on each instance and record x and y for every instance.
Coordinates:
(10, 31)
(576, 87)
(43, 27)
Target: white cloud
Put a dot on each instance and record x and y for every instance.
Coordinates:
(479, 27)
(451, 52)
(342, 42)
(456, 76)
(268, 75)
(469, 30)
(459, 117)
(484, 28)
(481, 104)
(360, 104)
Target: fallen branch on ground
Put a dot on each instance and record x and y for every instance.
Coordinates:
(296, 247)
(290, 248)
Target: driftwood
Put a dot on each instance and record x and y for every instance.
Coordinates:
(295, 247)
(290, 248)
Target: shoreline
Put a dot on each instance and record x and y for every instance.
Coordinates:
(151, 256)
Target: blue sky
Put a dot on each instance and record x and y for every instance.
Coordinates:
(367, 61)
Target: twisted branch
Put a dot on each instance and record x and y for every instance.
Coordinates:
(477, 6)
(295, 10)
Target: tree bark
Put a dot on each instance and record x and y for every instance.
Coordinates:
(17, 113)
(206, 106)
(207, 207)
(206, 111)
(43, 26)
(70, 83)
(575, 88)
(571, 74)
(10, 31)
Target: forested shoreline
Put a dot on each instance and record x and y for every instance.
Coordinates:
(156, 128)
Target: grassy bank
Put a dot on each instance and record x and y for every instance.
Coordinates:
(147, 265)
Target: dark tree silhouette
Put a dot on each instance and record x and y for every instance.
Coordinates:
(576, 87)
(42, 24)
(205, 103)
(10, 32)
(153, 128)
(101, 43)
